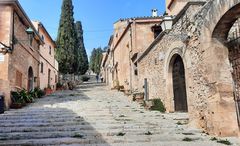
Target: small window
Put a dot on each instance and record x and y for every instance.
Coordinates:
(56, 78)
(42, 38)
(41, 67)
(156, 30)
(19, 79)
(50, 50)
(135, 69)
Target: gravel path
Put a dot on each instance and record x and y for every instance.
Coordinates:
(95, 116)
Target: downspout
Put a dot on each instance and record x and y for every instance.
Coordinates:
(12, 31)
(130, 62)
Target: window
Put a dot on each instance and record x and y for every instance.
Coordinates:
(156, 30)
(135, 69)
(42, 38)
(19, 79)
(56, 78)
(41, 67)
(50, 50)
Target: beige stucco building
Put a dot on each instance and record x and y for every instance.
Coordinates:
(130, 38)
(19, 57)
(48, 69)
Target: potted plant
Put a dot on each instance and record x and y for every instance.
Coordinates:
(59, 86)
(48, 90)
(17, 100)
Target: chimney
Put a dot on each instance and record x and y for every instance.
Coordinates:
(154, 12)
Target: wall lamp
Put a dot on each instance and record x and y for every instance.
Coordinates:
(167, 25)
(4, 49)
(30, 34)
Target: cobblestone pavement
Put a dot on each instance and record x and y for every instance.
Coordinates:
(95, 116)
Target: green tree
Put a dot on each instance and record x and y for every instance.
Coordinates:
(96, 60)
(66, 39)
(81, 54)
(92, 59)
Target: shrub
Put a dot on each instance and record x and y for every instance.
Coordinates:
(226, 142)
(37, 93)
(158, 105)
(187, 139)
(59, 85)
(16, 98)
(27, 96)
(85, 78)
(121, 134)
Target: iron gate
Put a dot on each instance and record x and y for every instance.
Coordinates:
(234, 58)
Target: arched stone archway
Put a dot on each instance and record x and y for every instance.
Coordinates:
(219, 16)
(222, 32)
(216, 66)
(177, 83)
(30, 79)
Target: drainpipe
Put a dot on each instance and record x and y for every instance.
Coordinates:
(146, 89)
(130, 62)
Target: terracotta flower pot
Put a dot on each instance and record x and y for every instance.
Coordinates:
(16, 105)
(48, 91)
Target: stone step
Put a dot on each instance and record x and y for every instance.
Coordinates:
(111, 140)
(92, 137)
(130, 133)
(82, 128)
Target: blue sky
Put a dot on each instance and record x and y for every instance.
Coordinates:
(97, 16)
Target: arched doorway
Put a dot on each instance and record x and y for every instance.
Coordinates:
(30, 79)
(179, 85)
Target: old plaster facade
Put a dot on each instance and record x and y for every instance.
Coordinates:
(130, 38)
(48, 69)
(19, 68)
(197, 67)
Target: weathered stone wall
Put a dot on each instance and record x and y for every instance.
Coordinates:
(207, 68)
(154, 66)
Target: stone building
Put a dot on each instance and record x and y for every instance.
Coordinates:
(107, 63)
(194, 66)
(19, 58)
(130, 38)
(48, 69)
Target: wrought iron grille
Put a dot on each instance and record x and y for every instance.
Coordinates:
(234, 57)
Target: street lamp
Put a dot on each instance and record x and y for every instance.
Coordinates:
(30, 34)
(167, 23)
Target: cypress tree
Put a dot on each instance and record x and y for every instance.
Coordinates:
(81, 53)
(96, 60)
(66, 39)
(92, 60)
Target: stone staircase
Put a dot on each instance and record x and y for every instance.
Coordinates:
(97, 117)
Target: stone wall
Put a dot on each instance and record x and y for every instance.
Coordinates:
(207, 68)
